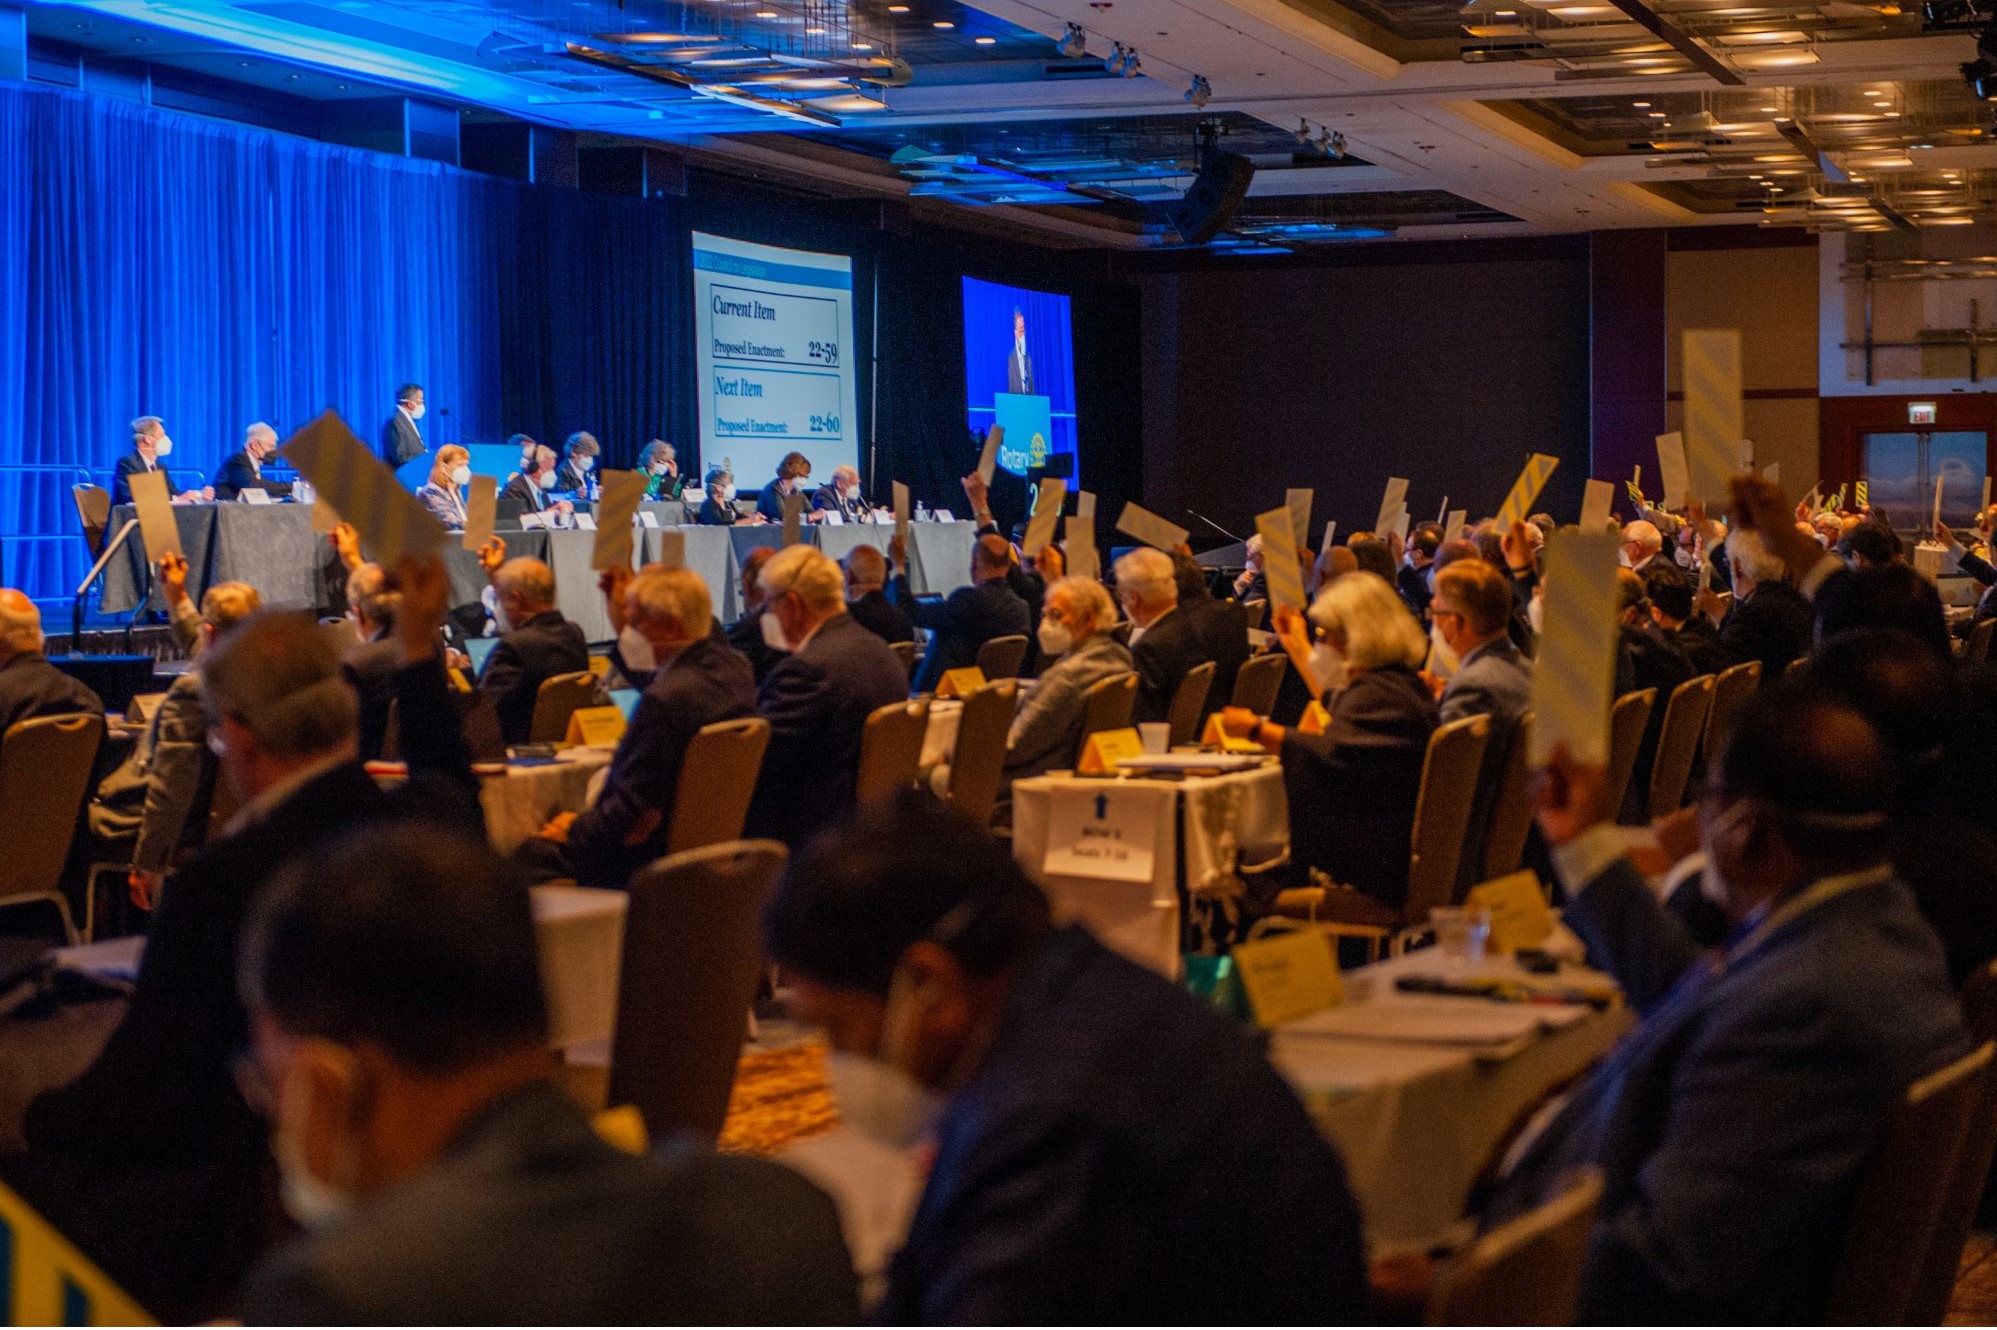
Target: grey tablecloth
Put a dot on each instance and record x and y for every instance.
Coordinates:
(123, 577)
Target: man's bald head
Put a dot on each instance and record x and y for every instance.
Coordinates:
(990, 558)
(20, 624)
(529, 582)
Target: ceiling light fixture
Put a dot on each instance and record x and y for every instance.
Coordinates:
(1200, 92)
(1074, 42)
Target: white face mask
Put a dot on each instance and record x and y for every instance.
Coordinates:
(163, 446)
(1328, 667)
(314, 1204)
(584, 464)
(546, 480)
(416, 411)
(880, 1100)
(461, 476)
(773, 633)
(725, 495)
(1442, 658)
(636, 648)
(1055, 639)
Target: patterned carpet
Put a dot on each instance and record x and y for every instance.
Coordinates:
(781, 1097)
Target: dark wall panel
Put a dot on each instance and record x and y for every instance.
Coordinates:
(1447, 373)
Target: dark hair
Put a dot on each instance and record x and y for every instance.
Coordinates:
(905, 869)
(1891, 596)
(1818, 762)
(415, 939)
(1669, 589)
(1873, 541)
(1374, 557)
(1451, 550)
(407, 391)
(1192, 578)
(583, 444)
(793, 465)
(1907, 694)
(1426, 540)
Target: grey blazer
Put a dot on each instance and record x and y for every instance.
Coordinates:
(1048, 724)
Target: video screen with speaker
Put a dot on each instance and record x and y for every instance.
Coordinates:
(1019, 372)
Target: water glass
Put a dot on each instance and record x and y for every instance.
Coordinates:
(1156, 736)
(1460, 933)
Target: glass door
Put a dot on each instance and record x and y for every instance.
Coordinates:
(1901, 467)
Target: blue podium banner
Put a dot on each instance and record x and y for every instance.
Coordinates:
(1028, 419)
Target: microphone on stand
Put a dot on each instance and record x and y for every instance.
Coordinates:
(1215, 525)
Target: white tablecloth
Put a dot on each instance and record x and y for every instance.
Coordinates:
(582, 944)
(939, 741)
(1228, 819)
(1417, 1124)
(519, 802)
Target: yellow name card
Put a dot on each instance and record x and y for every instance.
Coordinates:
(1287, 976)
(960, 683)
(47, 1281)
(1519, 913)
(595, 725)
(1215, 737)
(1316, 719)
(1105, 749)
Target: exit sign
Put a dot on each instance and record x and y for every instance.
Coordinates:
(1920, 413)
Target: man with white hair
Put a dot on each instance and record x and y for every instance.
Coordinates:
(157, 1126)
(1164, 644)
(244, 469)
(663, 618)
(150, 448)
(536, 642)
(817, 698)
(1075, 639)
(29, 685)
(1642, 542)
(842, 496)
(1770, 620)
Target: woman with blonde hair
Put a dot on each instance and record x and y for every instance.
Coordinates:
(444, 494)
(1352, 789)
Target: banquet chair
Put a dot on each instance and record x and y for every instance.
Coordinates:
(1106, 705)
(1259, 680)
(1258, 613)
(905, 653)
(1189, 701)
(1510, 820)
(717, 776)
(1526, 1271)
(1733, 689)
(1001, 657)
(93, 510)
(45, 768)
(557, 700)
(1978, 652)
(1966, 1185)
(891, 748)
(692, 960)
(1678, 744)
(978, 766)
(1626, 725)
(1449, 775)
(1795, 668)
(1895, 1227)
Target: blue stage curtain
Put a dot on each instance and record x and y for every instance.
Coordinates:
(214, 274)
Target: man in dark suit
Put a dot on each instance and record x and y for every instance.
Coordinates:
(400, 439)
(1220, 625)
(29, 685)
(1670, 593)
(1471, 612)
(1411, 578)
(664, 619)
(157, 1126)
(866, 601)
(471, 1188)
(527, 491)
(746, 634)
(150, 448)
(817, 699)
(372, 663)
(962, 622)
(1109, 1150)
(583, 454)
(1770, 620)
(842, 496)
(1731, 1126)
(1018, 364)
(1164, 643)
(536, 643)
(244, 469)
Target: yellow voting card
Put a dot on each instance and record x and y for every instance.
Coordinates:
(1287, 976)
(1106, 748)
(1316, 719)
(960, 683)
(1519, 913)
(595, 725)
(1215, 737)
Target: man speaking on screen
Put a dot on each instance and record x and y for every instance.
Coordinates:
(1018, 365)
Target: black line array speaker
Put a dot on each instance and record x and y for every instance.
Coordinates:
(1213, 197)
